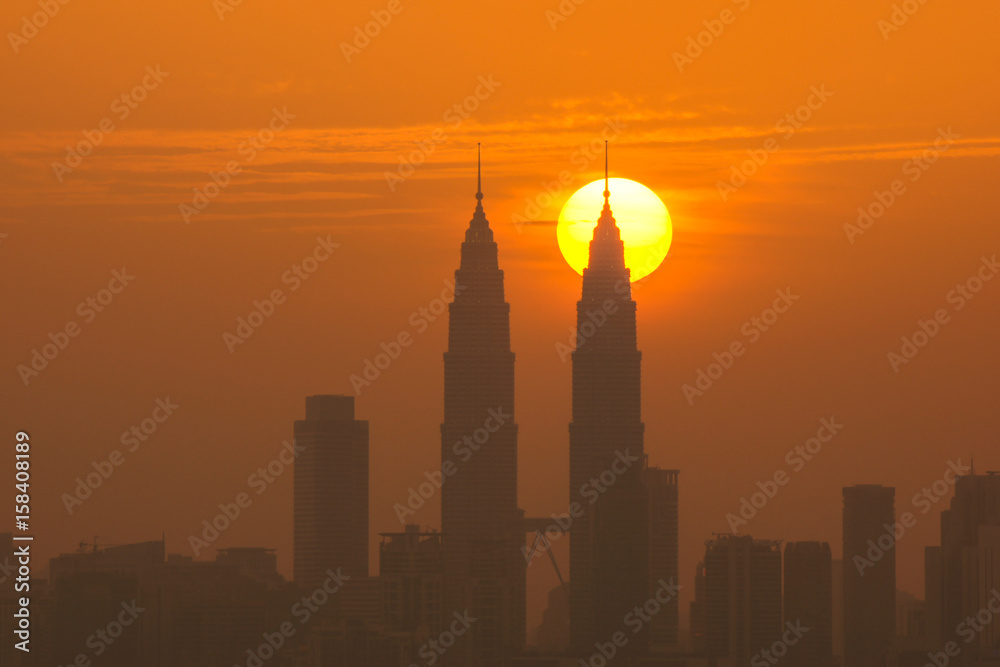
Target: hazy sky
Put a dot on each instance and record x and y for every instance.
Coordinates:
(309, 128)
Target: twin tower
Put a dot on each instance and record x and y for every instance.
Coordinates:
(483, 529)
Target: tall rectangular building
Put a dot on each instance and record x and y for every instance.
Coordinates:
(869, 584)
(482, 528)
(331, 491)
(609, 541)
(661, 490)
(970, 568)
(742, 613)
(411, 568)
(809, 601)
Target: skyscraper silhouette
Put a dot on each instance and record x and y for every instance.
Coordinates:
(482, 527)
(661, 487)
(331, 491)
(809, 601)
(968, 569)
(609, 548)
(869, 590)
(742, 597)
(410, 572)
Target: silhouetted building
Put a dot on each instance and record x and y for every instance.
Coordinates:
(809, 601)
(837, 567)
(742, 597)
(353, 637)
(481, 524)
(411, 569)
(203, 614)
(661, 489)
(127, 559)
(553, 633)
(331, 491)
(696, 611)
(609, 540)
(346, 643)
(970, 569)
(130, 605)
(869, 574)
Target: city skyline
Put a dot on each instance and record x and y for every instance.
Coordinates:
(403, 510)
(332, 525)
(224, 223)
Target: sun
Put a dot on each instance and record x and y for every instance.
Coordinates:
(641, 216)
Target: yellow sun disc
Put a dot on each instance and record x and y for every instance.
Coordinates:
(641, 216)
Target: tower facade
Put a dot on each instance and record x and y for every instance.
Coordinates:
(968, 568)
(331, 491)
(742, 596)
(482, 528)
(869, 589)
(609, 541)
(661, 487)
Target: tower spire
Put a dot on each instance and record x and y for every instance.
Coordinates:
(606, 216)
(479, 180)
(607, 192)
(479, 227)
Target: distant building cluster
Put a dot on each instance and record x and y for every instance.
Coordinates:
(457, 597)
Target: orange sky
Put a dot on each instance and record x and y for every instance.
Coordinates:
(608, 68)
